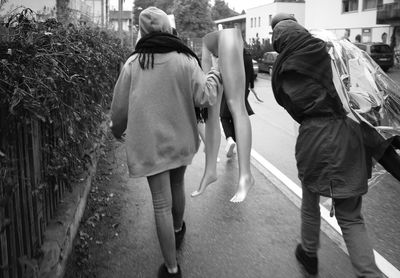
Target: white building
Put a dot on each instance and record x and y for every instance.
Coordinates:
(258, 19)
(359, 16)
(126, 20)
(33, 5)
(97, 11)
(337, 15)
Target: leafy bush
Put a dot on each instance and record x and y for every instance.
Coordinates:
(62, 77)
(257, 49)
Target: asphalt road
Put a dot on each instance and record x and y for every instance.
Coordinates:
(253, 239)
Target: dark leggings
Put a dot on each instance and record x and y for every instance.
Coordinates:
(228, 127)
(391, 160)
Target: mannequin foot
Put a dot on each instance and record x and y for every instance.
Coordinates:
(205, 181)
(243, 188)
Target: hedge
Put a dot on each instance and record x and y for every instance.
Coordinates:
(62, 76)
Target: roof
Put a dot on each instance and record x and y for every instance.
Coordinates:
(241, 17)
(125, 15)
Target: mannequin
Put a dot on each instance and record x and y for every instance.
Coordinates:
(227, 45)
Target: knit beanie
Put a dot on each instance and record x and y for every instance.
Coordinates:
(153, 19)
(281, 16)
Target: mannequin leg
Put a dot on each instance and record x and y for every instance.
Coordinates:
(230, 50)
(213, 135)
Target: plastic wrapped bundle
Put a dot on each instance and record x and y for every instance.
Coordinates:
(367, 93)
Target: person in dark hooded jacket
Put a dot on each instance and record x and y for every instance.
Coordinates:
(330, 153)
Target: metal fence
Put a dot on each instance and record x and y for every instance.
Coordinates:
(27, 200)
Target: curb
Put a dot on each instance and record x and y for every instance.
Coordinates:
(62, 229)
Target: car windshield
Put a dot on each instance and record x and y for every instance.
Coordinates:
(380, 48)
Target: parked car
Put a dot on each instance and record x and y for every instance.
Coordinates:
(255, 68)
(267, 61)
(381, 53)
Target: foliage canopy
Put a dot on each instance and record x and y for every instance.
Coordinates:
(221, 10)
(192, 17)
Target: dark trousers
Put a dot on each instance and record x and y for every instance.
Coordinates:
(228, 127)
(351, 222)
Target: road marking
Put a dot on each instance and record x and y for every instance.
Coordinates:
(386, 267)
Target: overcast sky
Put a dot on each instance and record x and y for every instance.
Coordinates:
(237, 5)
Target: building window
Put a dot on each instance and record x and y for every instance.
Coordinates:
(270, 19)
(251, 25)
(370, 4)
(366, 34)
(349, 6)
(259, 21)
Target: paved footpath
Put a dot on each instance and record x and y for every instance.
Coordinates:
(255, 238)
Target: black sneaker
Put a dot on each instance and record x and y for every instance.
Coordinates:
(310, 263)
(179, 236)
(163, 272)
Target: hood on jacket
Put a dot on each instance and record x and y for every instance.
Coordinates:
(281, 16)
(153, 19)
(287, 33)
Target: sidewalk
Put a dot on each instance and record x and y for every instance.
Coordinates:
(255, 238)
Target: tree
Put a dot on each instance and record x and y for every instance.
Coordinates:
(193, 18)
(138, 6)
(221, 10)
(165, 5)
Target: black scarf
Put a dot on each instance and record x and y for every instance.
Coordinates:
(159, 42)
(301, 52)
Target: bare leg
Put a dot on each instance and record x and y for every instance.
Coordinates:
(230, 48)
(162, 203)
(213, 135)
